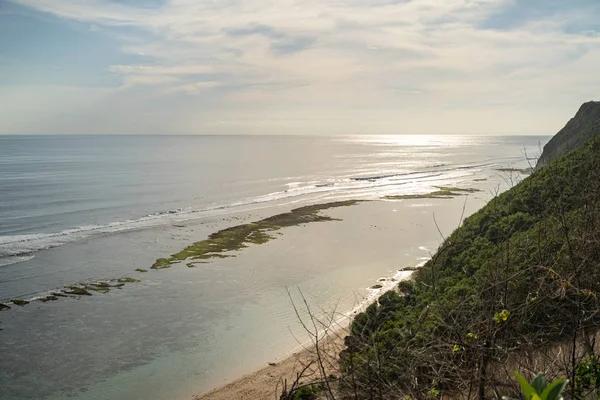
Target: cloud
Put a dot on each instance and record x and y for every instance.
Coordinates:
(196, 87)
(334, 57)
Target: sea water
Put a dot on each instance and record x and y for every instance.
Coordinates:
(84, 208)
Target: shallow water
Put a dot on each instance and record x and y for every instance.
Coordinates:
(89, 208)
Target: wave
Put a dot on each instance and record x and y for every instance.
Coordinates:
(4, 261)
(433, 168)
(20, 248)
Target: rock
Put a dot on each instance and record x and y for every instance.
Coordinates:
(58, 294)
(4, 307)
(101, 289)
(272, 364)
(408, 269)
(77, 291)
(19, 302)
(378, 286)
(141, 270)
(48, 298)
(581, 128)
(127, 280)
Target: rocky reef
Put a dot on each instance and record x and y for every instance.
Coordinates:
(443, 192)
(240, 236)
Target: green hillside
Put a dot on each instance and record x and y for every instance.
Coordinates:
(517, 277)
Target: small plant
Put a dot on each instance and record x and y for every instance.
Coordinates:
(310, 392)
(433, 394)
(587, 377)
(502, 316)
(539, 389)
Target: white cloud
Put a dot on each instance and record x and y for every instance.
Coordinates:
(196, 87)
(341, 64)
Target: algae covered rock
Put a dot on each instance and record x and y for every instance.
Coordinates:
(48, 298)
(238, 237)
(19, 302)
(77, 291)
(127, 280)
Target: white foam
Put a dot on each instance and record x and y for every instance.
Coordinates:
(310, 190)
(4, 261)
(344, 320)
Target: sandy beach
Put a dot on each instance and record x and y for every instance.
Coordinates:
(268, 382)
(302, 365)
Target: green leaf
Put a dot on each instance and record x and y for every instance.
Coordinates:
(539, 383)
(526, 388)
(554, 390)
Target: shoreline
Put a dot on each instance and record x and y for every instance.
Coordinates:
(266, 382)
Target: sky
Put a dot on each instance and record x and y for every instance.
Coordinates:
(488, 67)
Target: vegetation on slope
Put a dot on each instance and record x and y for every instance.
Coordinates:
(583, 127)
(520, 274)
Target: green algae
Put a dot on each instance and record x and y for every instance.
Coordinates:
(77, 291)
(524, 171)
(240, 236)
(48, 298)
(99, 289)
(127, 280)
(80, 289)
(141, 270)
(456, 189)
(443, 192)
(438, 194)
(104, 285)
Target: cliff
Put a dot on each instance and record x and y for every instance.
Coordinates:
(519, 279)
(581, 128)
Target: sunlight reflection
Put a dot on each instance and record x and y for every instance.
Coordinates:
(412, 140)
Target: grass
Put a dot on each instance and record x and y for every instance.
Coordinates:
(239, 237)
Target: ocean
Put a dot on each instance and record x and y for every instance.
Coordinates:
(79, 209)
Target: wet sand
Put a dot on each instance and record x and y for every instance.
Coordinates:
(268, 382)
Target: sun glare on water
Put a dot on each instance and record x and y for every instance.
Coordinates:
(411, 140)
